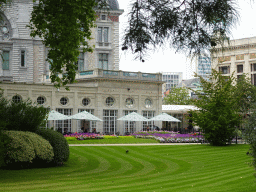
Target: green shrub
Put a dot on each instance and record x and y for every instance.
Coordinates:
(59, 144)
(27, 148)
(20, 150)
(24, 116)
(21, 116)
(3, 141)
(42, 147)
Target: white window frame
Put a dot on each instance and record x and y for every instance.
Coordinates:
(129, 126)
(99, 59)
(101, 38)
(79, 59)
(109, 121)
(9, 54)
(93, 124)
(64, 124)
(148, 115)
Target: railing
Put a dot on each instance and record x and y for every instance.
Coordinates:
(116, 75)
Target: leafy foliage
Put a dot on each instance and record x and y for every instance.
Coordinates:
(23, 115)
(250, 135)
(59, 144)
(178, 96)
(247, 93)
(65, 27)
(218, 115)
(26, 148)
(190, 25)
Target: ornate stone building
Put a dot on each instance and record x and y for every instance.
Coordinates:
(101, 88)
(238, 56)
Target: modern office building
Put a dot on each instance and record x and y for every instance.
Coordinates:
(203, 66)
(171, 79)
(101, 88)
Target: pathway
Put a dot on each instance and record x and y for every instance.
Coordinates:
(135, 144)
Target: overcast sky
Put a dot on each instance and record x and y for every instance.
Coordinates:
(165, 59)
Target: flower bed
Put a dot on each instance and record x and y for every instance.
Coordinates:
(84, 136)
(170, 137)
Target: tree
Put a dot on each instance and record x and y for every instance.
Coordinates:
(65, 27)
(250, 136)
(218, 115)
(22, 115)
(178, 96)
(247, 93)
(188, 25)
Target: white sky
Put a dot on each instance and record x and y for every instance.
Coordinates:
(165, 59)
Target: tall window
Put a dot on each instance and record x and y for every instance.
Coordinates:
(80, 62)
(103, 34)
(253, 67)
(6, 60)
(83, 123)
(103, 61)
(109, 121)
(239, 68)
(148, 124)
(253, 78)
(22, 58)
(129, 125)
(64, 125)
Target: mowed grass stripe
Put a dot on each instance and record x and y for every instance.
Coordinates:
(147, 168)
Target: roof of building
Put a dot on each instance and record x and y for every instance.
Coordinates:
(113, 4)
(192, 83)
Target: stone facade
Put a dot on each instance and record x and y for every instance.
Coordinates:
(104, 91)
(238, 56)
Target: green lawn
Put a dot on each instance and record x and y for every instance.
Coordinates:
(114, 140)
(186, 168)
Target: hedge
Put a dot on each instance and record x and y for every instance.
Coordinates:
(59, 144)
(26, 148)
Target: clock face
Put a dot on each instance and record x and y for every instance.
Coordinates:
(4, 29)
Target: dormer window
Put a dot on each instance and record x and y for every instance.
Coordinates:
(103, 17)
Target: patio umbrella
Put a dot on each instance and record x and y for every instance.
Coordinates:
(133, 117)
(164, 117)
(54, 115)
(85, 116)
